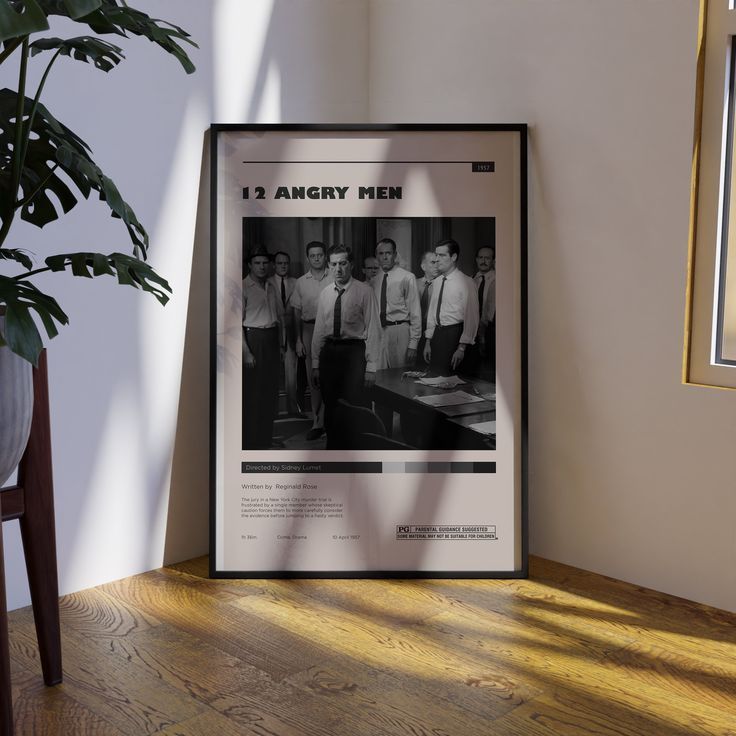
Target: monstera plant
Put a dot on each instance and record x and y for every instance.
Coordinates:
(45, 166)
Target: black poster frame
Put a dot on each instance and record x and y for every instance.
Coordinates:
(338, 132)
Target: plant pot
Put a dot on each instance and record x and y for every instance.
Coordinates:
(16, 408)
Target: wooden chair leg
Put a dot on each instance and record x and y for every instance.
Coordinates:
(38, 530)
(40, 552)
(6, 699)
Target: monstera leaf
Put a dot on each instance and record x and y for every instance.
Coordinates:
(17, 255)
(129, 270)
(78, 8)
(21, 18)
(109, 16)
(21, 333)
(22, 299)
(102, 54)
(54, 149)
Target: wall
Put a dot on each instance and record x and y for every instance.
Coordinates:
(128, 379)
(631, 473)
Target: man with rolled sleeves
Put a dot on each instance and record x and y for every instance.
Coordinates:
(262, 331)
(398, 308)
(304, 303)
(347, 337)
(284, 285)
(452, 318)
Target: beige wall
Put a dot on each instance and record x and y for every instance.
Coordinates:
(129, 380)
(631, 474)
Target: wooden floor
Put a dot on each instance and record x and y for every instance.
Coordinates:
(566, 652)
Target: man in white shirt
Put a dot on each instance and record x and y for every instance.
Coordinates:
(304, 300)
(398, 308)
(452, 319)
(261, 339)
(284, 285)
(485, 285)
(347, 337)
(424, 289)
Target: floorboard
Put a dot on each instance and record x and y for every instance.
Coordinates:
(566, 652)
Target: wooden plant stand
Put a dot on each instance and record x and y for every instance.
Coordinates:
(32, 503)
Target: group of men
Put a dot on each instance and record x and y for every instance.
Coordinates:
(443, 319)
(346, 329)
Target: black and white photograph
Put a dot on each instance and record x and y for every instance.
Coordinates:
(368, 333)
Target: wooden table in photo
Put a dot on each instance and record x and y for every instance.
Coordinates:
(437, 427)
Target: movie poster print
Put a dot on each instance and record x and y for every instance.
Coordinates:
(368, 351)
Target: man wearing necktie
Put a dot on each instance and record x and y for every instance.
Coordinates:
(347, 337)
(399, 308)
(485, 284)
(424, 288)
(452, 318)
(262, 330)
(284, 285)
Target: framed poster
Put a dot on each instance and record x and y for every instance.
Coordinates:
(368, 357)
